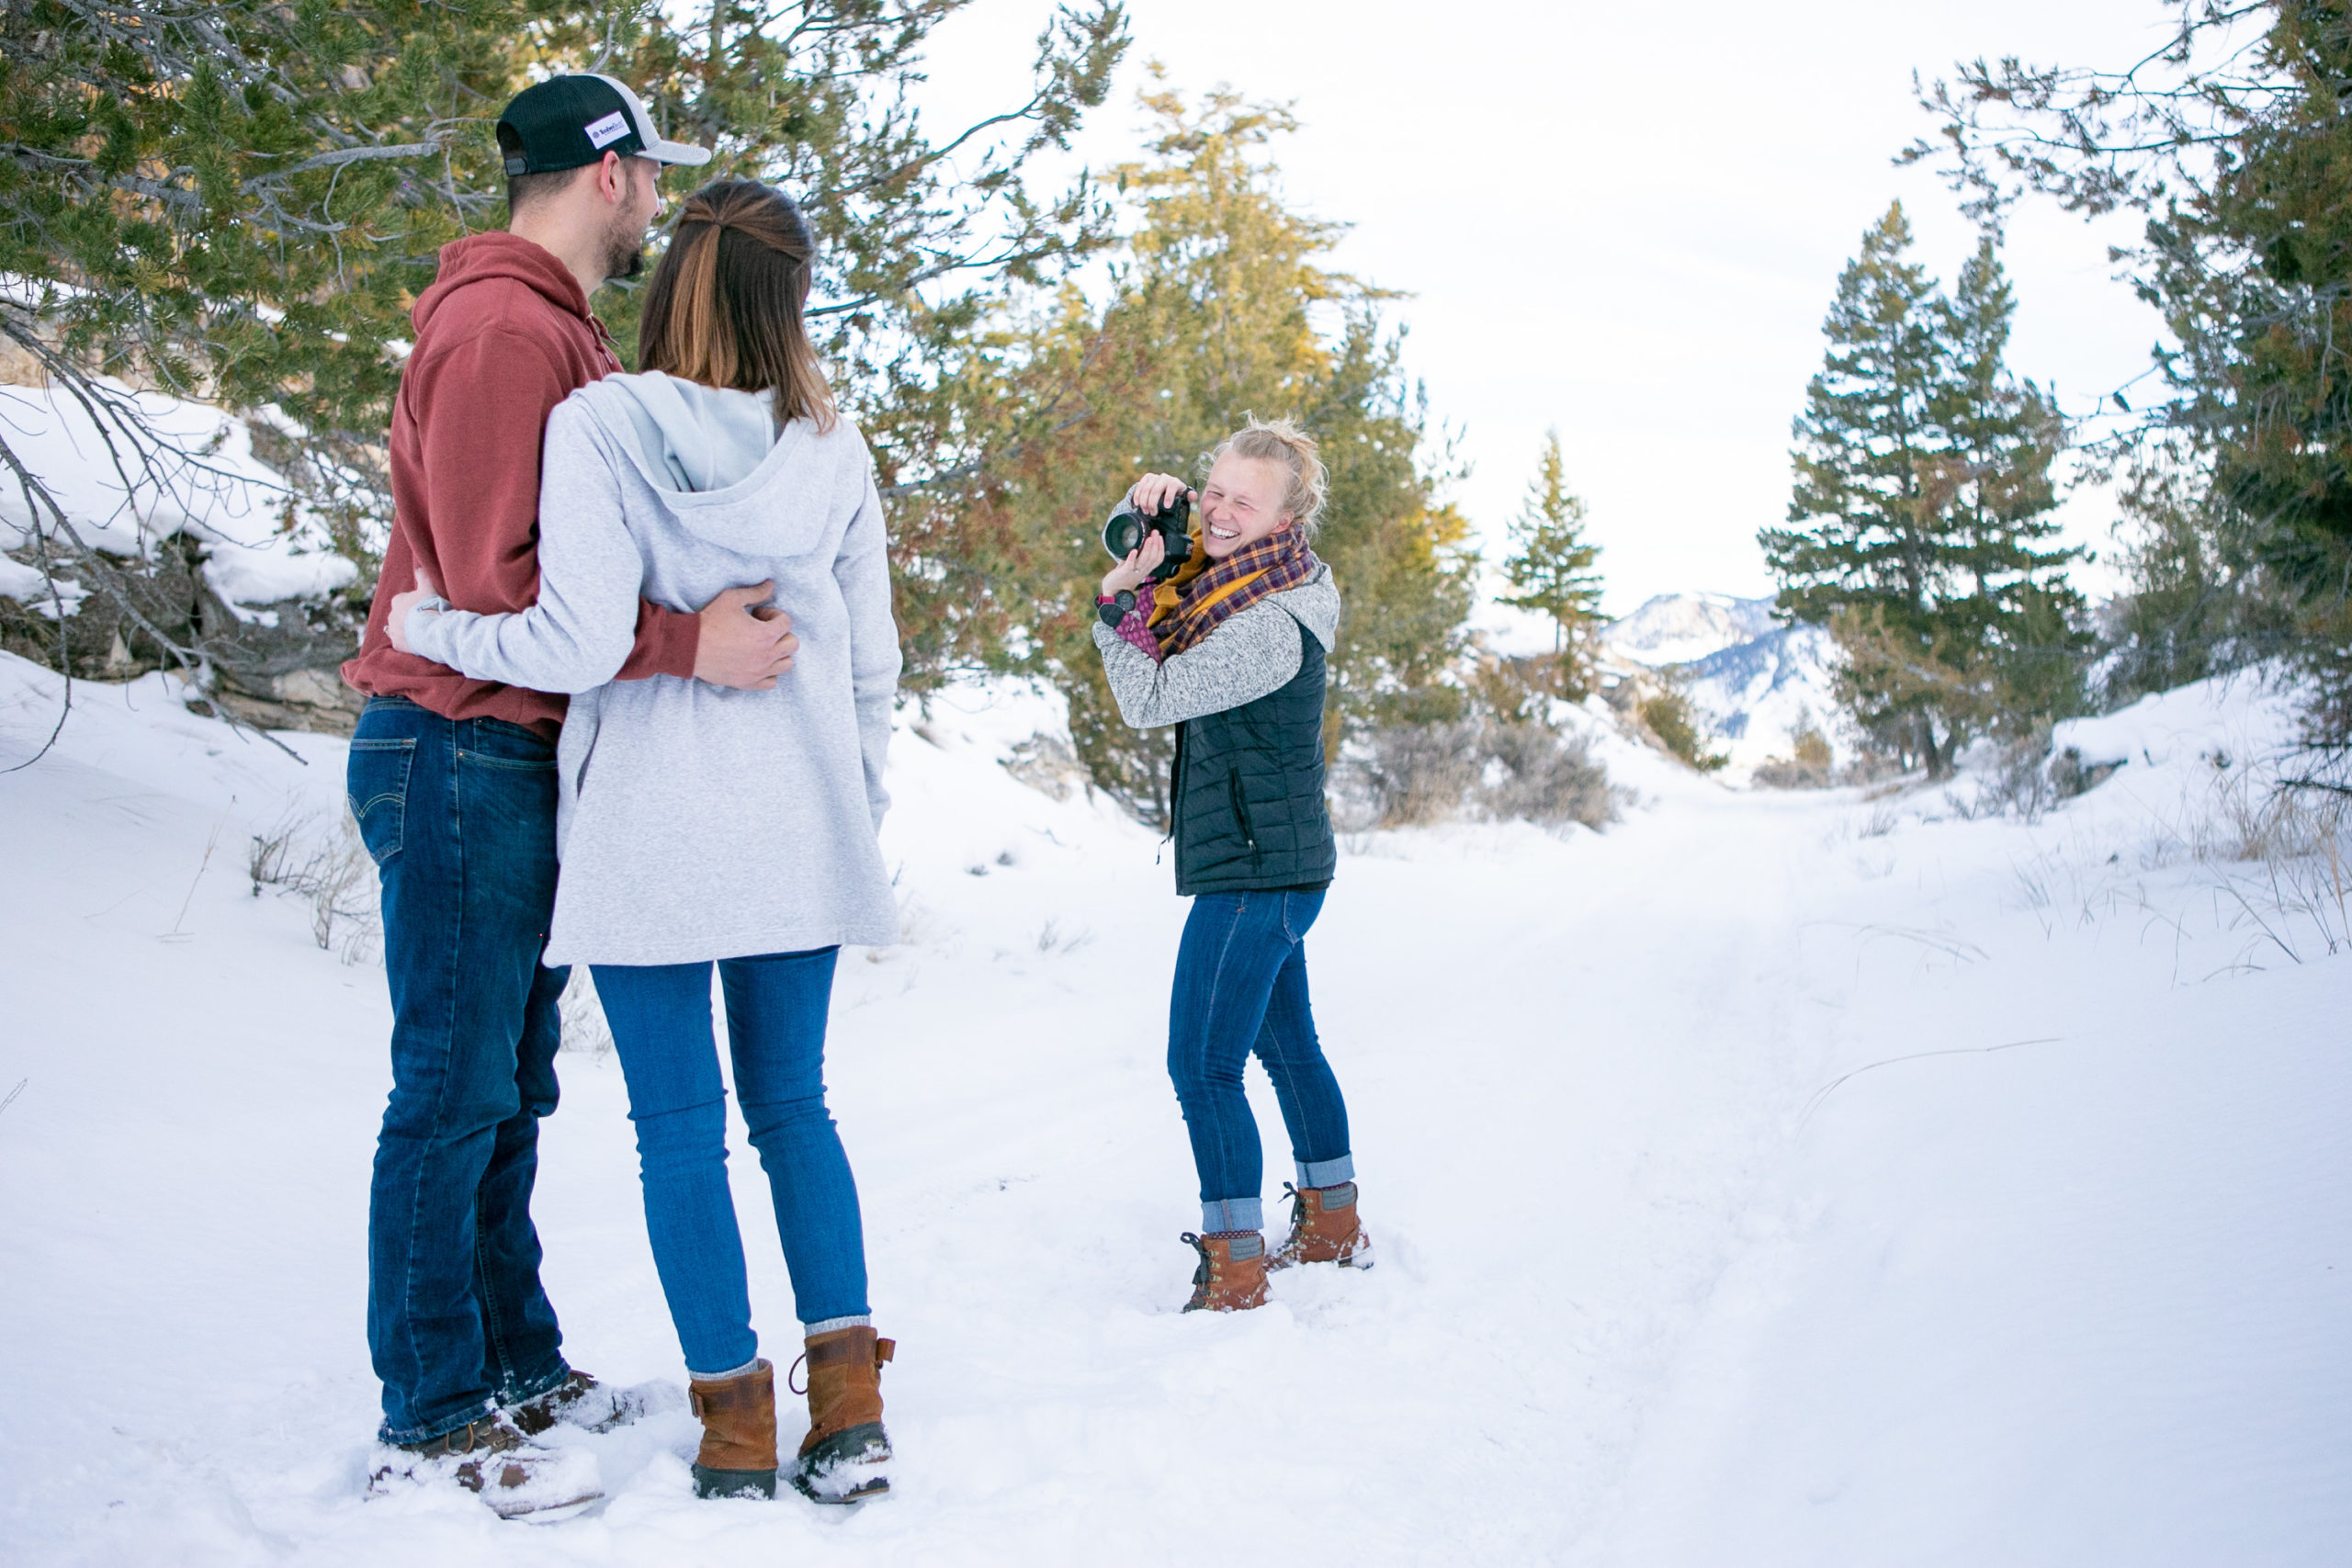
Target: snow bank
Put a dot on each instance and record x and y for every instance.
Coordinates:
(2247, 718)
(207, 483)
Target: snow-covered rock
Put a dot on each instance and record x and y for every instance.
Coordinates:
(207, 483)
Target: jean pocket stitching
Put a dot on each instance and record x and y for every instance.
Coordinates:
(387, 844)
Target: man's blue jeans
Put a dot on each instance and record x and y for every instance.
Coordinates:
(776, 1004)
(459, 817)
(1241, 986)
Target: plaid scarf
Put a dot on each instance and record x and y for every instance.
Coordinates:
(1202, 593)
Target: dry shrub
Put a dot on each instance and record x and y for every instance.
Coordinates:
(583, 1016)
(1534, 773)
(1811, 765)
(1410, 775)
(1415, 773)
(326, 866)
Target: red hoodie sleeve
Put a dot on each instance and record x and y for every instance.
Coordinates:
(482, 413)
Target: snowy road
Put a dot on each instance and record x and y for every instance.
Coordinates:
(1636, 1303)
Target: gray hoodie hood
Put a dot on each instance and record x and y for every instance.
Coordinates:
(720, 464)
(1314, 605)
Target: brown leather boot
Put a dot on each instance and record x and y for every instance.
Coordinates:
(844, 1456)
(517, 1477)
(1232, 1275)
(738, 1454)
(1323, 1229)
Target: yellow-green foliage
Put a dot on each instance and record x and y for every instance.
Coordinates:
(1669, 718)
(1218, 306)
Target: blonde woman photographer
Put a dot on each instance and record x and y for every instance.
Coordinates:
(1222, 629)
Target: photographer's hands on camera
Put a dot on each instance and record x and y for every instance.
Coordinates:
(1151, 494)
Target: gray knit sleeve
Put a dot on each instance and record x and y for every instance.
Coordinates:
(579, 633)
(1253, 653)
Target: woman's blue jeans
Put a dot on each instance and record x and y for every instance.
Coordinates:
(775, 1030)
(1241, 986)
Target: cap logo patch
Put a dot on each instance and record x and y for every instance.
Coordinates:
(603, 134)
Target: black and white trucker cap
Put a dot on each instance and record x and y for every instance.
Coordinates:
(566, 121)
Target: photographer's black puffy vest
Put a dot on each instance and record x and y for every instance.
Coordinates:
(1246, 791)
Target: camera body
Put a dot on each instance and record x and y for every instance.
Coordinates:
(1128, 528)
(1123, 535)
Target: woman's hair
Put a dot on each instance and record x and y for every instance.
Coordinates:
(724, 305)
(1282, 441)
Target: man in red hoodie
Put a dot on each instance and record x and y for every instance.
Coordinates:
(453, 784)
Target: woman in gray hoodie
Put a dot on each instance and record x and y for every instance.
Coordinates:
(698, 824)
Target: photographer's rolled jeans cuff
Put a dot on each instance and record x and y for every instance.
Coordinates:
(1232, 1214)
(1325, 1172)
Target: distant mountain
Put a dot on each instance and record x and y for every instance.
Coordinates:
(1681, 629)
(1754, 681)
(1757, 694)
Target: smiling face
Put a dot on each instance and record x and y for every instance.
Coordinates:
(1242, 503)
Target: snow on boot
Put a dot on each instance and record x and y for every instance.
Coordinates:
(1232, 1275)
(843, 1457)
(1323, 1229)
(738, 1454)
(519, 1478)
(580, 1401)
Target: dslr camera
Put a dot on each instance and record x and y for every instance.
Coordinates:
(1126, 530)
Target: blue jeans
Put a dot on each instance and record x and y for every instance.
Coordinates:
(459, 817)
(1241, 986)
(660, 1016)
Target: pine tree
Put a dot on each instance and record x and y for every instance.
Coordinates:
(237, 201)
(2232, 141)
(2006, 435)
(1862, 528)
(1920, 519)
(1551, 564)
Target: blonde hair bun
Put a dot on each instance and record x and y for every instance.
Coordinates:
(1282, 441)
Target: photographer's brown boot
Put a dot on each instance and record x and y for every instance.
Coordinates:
(1323, 1229)
(738, 1454)
(844, 1457)
(1232, 1275)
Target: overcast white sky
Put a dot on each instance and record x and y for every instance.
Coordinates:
(1624, 220)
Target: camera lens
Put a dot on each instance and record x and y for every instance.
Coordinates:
(1123, 535)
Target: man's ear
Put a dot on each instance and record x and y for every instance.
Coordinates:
(612, 180)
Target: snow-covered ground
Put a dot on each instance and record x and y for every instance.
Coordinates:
(1804, 1180)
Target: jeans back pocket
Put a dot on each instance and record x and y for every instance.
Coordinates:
(376, 785)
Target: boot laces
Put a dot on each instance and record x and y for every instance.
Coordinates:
(1201, 1274)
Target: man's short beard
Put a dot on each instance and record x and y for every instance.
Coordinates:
(624, 250)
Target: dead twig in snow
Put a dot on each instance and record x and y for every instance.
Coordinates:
(210, 840)
(1827, 1089)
